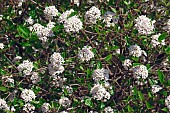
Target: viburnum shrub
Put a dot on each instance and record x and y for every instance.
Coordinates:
(84, 56)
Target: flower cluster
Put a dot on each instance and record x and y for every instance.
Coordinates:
(55, 66)
(156, 88)
(140, 71)
(29, 108)
(6, 79)
(26, 66)
(45, 107)
(108, 110)
(144, 25)
(28, 95)
(1, 46)
(29, 20)
(167, 102)
(3, 105)
(110, 19)
(85, 54)
(63, 17)
(136, 51)
(65, 102)
(100, 74)
(50, 12)
(35, 78)
(73, 24)
(99, 92)
(92, 15)
(155, 42)
(58, 81)
(127, 63)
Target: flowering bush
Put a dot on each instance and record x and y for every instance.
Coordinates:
(84, 56)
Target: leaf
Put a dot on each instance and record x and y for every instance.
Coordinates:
(88, 102)
(108, 57)
(161, 76)
(99, 65)
(141, 97)
(3, 88)
(130, 109)
(165, 109)
(148, 105)
(162, 36)
(23, 31)
(167, 50)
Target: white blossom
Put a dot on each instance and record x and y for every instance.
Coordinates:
(28, 95)
(6, 79)
(58, 81)
(63, 17)
(50, 12)
(73, 24)
(156, 88)
(135, 50)
(50, 25)
(140, 71)
(86, 53)
(99, 92)
(63, 112)
(26, 66)
(144, 25)
(110, 19)
(100, 74)
(108, 110)
(3, 105)
(12, 109)
(29, 108)
(65, 102)
(167, 102)
(155, 42)
(69, 89)
(77, 2)
(35, 78)
(45, 107)
(17, 58)
(1, 46)
(92, 15)
(127, 63)
(29, 20)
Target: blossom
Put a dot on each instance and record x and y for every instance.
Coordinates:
(127, 63)
(86, 53)
(58, 81)
(26, 66)
(144, 25)
(77, 2)
(73, 24)
(92, 15)
(65, 102)
(156, 88)
(45, 107)
(110, 19)
(63, 17)
(50, 12)
(17, 58)
(29, 108)
(100, 74)
(50, 25)
(29, 20)
(3, 105)
(99, 92)
(155, 42)
(108, 110)
(1, 46)
(167, 102)
(35, 78)
(140, 71)
(6, 79)
(28, 95)
(136, 51)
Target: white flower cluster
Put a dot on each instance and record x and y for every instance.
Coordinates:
(69, 89)
(1, 46)
(156, 88)
(73, 24)
(167, 102)
(3, 105)
(108, 110)
(50, 12)
(65, 102)
(168, 25)
(86, 53)
(77, 2)
(17, 58)
(127, 63)
(20, 2)
(92, 15)
(63, 17)
(100, 74)
(35, 78)
(29, 20)
(55, 66)
(6, 79)
(140, 71)
(58, 81)
(136, 51)
(28, 95)
(110, 19)
(29, 108)
(45, 107)
(99, 92)
(63, 112)
(155, 42)
(144, 25)
(26, 66)
(43, 32)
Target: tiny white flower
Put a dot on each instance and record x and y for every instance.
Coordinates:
(28, 95)
(156, 88)
(65, 102)
(45, 107)
(29, 108)
(1, 46)
(85, 54)
(140, 71)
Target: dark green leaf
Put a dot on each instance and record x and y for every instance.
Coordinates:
(109, 57)
(141, 97)
(3, 88)
(162, 36)
(161, 77)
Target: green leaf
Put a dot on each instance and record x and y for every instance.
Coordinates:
(161, 77)
(23, 31)
(167, 50)
(148, 105)
(130, 109)
(99, 65)
(108, 57)
(3, 88)
(141, 97)
(165, 109)
(162, 36)
(89, 102)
